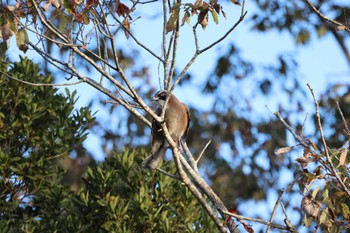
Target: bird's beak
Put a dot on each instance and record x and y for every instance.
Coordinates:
(155, 98)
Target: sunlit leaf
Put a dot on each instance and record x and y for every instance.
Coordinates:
(22, 39)
(172, 21)
(343, 154)
(215, 17)
(56, 3)
(69, 6)
(303, 37)
(345, 210)
(284, 150)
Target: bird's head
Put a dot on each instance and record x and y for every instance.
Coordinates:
(160, 97)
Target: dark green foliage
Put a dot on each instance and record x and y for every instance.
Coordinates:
(38, 126)
(121, 196)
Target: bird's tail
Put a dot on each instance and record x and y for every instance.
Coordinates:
(153, 160)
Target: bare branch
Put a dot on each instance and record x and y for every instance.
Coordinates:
(300, 139)
(190, 157)
(202, 152)
(322, 16)
(178, 158)
(41, 84)
(258, 220)
(347, 131)
(274, 209)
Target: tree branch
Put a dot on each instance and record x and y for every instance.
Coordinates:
(322, 16)
(329, 160)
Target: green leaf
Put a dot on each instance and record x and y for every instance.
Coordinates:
(172, 22)
(323, 217)
(314, 192)
(215, 16)
(345, 210)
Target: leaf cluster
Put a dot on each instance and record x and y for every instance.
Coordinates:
(38, 126)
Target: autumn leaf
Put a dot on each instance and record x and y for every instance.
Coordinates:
(236, 2)
(6, 32)
(186, 18)
(78, 17)
(90, 3)
(203, 18)
(248, 228)
(216, 7)
(122, 9)
(310, 207)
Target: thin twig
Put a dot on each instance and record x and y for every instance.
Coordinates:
(258, 220)
(202, 152)
(190, 157)
(286, 220)
(329, 160)
(300, 139)
(274, 209)
(199, 51)
(168, 174)
(343, 118)
(41, 84)
(334, 22)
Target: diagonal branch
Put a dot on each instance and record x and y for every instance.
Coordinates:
(329, 20)
(184, 178)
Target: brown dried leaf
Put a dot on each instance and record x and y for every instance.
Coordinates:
(216, 7)
(343, 154)
(122, 9)
(248, 228)
(307, 153)
(13, 8)
(203, 18)
(47, 5)
(310, 207)
(186, 18)
(283, 150)
(236, 2)
(56, 3)
(314, 146)
(91, 3)
(6, 31)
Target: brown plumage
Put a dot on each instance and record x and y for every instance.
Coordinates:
(177, 120)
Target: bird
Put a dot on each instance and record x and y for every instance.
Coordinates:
(177, 120)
